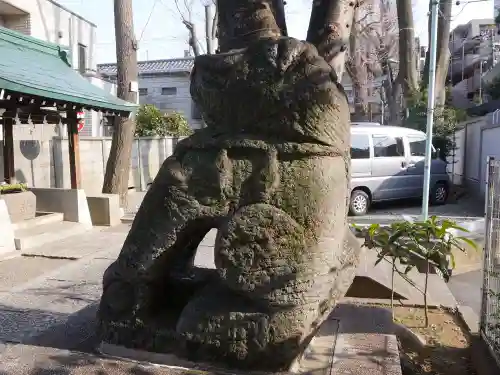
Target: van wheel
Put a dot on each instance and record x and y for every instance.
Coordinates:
(439, 194)
(359, 204)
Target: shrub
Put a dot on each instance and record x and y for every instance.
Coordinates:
(151, 122)
(407, 244)
(12, 188)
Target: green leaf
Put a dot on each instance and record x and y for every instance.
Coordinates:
(468, 241)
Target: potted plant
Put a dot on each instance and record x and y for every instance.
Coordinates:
(12, 188)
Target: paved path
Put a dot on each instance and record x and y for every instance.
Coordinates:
(467, 289)
(53, 302)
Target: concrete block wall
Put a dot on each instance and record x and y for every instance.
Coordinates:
(45, 163)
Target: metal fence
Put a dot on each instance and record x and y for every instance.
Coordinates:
(490, 309)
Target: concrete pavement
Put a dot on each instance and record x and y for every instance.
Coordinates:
(53, 302)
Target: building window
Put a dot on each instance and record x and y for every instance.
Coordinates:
(387, 146)
(170, 91)
(360, 146)
(82, 58)
(143, 92)
(195, 111)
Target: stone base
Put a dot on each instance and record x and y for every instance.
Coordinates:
(317, 358)
(356, 340)
(7, 244)
(21, 206)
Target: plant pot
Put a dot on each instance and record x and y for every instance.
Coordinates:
(20, 206)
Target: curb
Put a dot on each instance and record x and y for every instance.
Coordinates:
(381, 301)
(469, 318)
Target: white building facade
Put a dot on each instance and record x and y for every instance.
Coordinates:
(51, 22)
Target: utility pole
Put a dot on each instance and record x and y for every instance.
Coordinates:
(208, 28)
(118, 165)
(431, 98)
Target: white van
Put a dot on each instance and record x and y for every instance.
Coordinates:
(387, 163)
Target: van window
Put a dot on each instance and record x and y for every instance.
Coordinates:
(387, 146)
(417, 146)
(360, 146)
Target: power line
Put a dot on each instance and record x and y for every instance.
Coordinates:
(151, 40)
(149, 19)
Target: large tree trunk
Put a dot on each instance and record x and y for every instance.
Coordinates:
(442, 51)
(118, 165)
(329, 29)
(271, 172)
(407, 54)
(356, 68)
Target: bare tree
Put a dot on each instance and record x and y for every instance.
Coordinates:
(442, 51)
(358, 56)
(374, 42)
(118, 164)
(386, 40)
(408, 75)
(186, 12)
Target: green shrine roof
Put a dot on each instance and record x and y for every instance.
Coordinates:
(35, 68)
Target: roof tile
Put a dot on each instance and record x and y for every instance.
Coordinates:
(34, 68)
(178, 65)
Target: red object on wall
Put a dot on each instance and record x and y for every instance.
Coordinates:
(81, 121)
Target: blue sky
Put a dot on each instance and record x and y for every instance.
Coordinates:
(164, 36)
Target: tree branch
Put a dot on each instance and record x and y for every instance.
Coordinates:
(214, 23)
(329, 29)
(193, 40)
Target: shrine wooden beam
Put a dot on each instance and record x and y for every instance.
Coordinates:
(9, 172)
(74, 149)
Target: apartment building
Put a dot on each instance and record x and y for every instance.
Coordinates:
(474, 49)
(51, 22)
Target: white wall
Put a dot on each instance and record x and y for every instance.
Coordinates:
(50, 22)
(456, 160)
(45, 163)
(94, 124)
(480, 138)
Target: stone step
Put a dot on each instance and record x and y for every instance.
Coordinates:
(128, 218)
(42, 218)
(31, 238)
